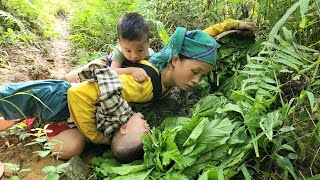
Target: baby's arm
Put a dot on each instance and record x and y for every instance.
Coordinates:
(138, 74)
(71, 76)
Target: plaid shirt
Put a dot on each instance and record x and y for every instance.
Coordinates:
(112, 110)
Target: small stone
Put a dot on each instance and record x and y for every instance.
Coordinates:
(77, 169)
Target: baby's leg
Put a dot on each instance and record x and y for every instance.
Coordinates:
(72, 143)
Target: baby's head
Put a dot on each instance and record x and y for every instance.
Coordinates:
(126, 144)
(133, 35)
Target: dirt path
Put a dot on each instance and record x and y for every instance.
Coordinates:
(22, 63)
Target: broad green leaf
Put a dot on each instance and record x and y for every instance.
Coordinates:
(215, 133)
(220, 174)
(303, 7)
(245, 172)
(162, 32)
(196, 132)
(315, 177)
(287, 34)
(208, 105)
(285, 163)
(286, 147)
(43, 153)
(234, 158)
(297, 77)
(172, 122)
(230, 107)
(311, 98)
(292, 156)
(268, 87)
(194, 169)
(219, 152)
(48, 169)
(52, 177)
(171, 151)
(280, 23)
(126, 169)
(62, 166)
(14, 178)
(209, 175)
(238, 136)
(174, 175)
(264, 93)
(286, 129)
(270, 121)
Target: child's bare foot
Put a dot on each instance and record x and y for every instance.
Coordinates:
(6, 124)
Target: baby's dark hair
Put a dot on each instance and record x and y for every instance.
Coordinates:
(133, 27)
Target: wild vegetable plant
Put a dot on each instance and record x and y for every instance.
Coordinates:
(16, 169)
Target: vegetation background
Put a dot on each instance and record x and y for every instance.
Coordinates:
(274, 77)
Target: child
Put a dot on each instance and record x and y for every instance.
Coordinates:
(47, 99)
(133, 46)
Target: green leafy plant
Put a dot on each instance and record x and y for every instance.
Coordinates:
(53, 173)
(16, 169)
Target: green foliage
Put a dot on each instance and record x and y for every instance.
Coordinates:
(16, 169)
(94, 23)
(29, 21)
(232, 53)
(213, 137)
(53, 172)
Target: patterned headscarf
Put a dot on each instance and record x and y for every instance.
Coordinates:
(193, 44)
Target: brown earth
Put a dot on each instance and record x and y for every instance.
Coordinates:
(23, 62)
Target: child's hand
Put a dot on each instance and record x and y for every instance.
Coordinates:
(139, 75)
(246, 26)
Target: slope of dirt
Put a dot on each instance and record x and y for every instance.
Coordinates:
(22, 63)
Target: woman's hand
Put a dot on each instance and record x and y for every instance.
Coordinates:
(246, 26)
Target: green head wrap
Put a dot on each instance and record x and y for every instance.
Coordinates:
(193, 44)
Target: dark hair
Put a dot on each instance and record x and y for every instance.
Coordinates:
(128, 154)
(133, 26)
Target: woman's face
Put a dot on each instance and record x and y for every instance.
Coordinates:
(187, 73)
